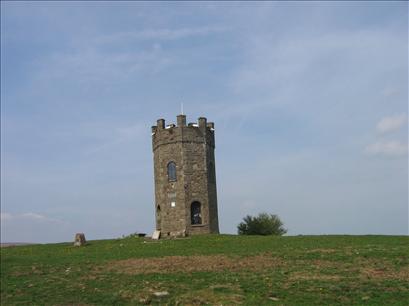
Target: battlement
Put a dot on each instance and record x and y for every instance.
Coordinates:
(181, 122)
(197, 132)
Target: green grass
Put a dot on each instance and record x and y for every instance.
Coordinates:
(250, 270)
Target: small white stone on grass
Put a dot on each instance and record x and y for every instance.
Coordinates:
(161, 293)
(156, 235)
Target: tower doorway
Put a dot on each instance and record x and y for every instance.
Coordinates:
(196, 213)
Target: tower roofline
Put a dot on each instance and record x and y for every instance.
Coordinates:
(181, 122)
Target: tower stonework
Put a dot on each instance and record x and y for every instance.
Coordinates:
(185, 177)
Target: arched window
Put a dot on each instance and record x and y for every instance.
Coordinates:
(196, 213)
(171, 171)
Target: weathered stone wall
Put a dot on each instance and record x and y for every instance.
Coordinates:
(191, 148)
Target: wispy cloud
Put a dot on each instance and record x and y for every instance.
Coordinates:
(34, 227)
(5, 216)
(389, 91)
(29, 216)
(120, 135)
(387, 148)
(392, 123)
(160, 34)
(95, 65)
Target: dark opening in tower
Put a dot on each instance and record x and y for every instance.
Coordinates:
(196, 213)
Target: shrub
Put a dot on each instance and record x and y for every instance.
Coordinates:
(263, 224)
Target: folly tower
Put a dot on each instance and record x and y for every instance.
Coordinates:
(185, 177)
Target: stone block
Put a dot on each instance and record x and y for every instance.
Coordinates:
(79, 239)
(156, 235)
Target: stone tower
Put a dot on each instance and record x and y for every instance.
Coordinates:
(185, 177)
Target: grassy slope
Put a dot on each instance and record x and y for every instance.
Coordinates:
(311, 270)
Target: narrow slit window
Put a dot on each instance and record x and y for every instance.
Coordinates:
(158, 216)
(211, 173)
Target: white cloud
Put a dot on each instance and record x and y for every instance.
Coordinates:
(95, 65)
(120, 135)
(159, 34)
(389, 92)
(5, 216)
(131, 132)
(387, 148)
(34, 227)
(29, 216)
(33, 216)
(392, 123)
(90, 64)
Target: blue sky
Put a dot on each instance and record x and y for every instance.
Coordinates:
(309, 100)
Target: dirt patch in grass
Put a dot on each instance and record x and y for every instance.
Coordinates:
(215, 295)
(323, 251)
(363, 268)
(313, 276)
(385, 273)
(198, 263)
(326, 270)
(74, 304)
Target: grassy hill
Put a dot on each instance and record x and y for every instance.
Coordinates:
(214, 269)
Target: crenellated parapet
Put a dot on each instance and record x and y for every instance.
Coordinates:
(199, 132)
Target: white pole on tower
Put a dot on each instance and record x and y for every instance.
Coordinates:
(181, 108)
